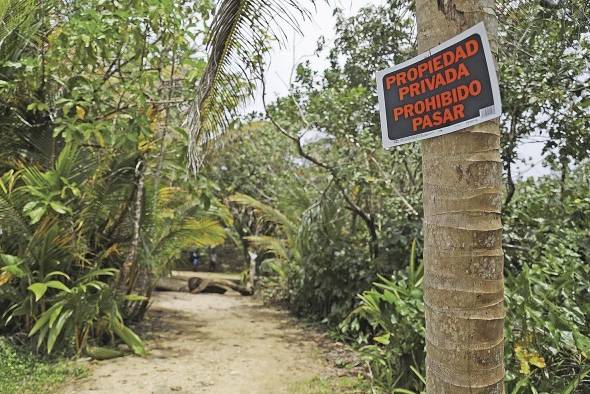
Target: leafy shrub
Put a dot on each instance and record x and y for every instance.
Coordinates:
(547, 276)
(546, 333)
(389, 324)
(336, 262)
(547, 300)
(48, 286)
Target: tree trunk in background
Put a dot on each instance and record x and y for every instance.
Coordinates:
(129, 269)
(463, 280)
(252, 279)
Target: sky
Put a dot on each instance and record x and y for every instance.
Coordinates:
(301, 47)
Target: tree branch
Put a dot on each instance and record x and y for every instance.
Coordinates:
(365, 216)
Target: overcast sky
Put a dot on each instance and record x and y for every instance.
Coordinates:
(299, 48)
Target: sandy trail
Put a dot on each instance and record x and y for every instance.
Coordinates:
(210, 343)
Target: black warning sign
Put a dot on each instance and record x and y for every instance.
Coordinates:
(448, 88)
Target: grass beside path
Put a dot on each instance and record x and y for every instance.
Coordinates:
(331, 385)
(24, 372)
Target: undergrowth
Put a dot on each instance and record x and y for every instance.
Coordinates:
(333, 385)
(21, 371)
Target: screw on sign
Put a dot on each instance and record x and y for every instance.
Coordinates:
(448, 88)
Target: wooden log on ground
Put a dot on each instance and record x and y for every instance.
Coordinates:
(171, 284)
(198, 285)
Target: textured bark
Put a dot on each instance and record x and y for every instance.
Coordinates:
(252, 279)
(129, 268)
(198, 285)
(172, 284)
(463, 279)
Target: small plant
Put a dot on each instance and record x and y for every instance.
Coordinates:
(90, 305)
(389, 324)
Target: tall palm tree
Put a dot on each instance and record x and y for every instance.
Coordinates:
(239, 36)
(463, 270)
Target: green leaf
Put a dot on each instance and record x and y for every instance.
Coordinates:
(521, 383)
(383, 339)
(135, 297)
(30, 206)
(569, 389)
(100, 272)
(57, 273)
(55, 314)
(42, 335)
(56, 329)
(43, 319)
(8, 259)
(36, 214)
(59, 207)
(38, 289)
(14, 270)
(130, 338)
(58, 285)
(418, 374)
(582, 343)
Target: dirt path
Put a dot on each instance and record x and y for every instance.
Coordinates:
(209, 343)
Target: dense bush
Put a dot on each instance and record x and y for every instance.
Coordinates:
(547, 331)
(547, 276)
(332, 268)
(388, 325)
(94, 203)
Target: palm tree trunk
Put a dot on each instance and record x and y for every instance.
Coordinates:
(463, 280)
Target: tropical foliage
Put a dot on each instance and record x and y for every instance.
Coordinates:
(358, 209)
(120, 149)
(94, 199)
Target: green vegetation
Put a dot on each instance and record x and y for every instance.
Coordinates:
(88, 180)
(22, 372)
(547, 303)
(339, 222)
(119, 150)
(329, 386)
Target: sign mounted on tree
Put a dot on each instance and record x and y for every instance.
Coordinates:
(448, 88)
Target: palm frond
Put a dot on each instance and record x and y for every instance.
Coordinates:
(12, 221)
(167, 194)
(266, 212)
(12, 14)
(221, 212)
(203, 232)
(51, 247)
(239, 34)
(191, 233)
(273, 245)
